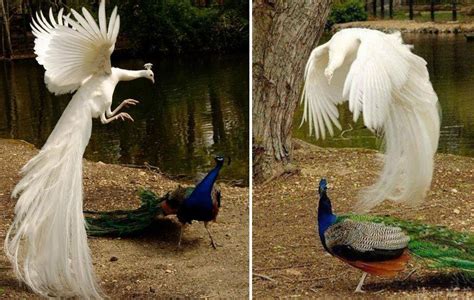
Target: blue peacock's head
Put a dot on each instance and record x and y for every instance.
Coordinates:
(322, 185)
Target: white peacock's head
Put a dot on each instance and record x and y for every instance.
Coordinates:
(148, 72)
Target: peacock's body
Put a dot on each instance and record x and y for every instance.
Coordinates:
(382, 245)
(200, 203)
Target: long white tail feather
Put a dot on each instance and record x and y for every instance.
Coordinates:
(49, 221)
(411, 135)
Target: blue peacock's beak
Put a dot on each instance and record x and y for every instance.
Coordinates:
(322, 185)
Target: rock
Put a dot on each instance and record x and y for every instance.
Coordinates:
(114, 258)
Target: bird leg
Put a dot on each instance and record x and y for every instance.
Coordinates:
(361, 282)
(180, 235)
(214, 244)
(123, 116)
(125, 103)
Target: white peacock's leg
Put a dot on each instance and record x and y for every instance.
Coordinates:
(361, 283)
(124, 103)
(123, 116)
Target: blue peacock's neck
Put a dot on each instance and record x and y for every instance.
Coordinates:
(325, 216)
(205, 186)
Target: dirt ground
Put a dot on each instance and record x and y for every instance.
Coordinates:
(288, 259)
(148, 266)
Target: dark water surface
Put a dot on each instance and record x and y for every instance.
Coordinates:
(197, 108)
(451, 67)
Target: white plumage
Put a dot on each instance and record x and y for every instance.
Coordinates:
(47, 242)
(382, 79)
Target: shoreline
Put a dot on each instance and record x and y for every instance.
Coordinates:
(409, 26)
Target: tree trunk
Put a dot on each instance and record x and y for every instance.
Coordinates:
(390, 8)
(284, 33)
(410, 3)
(382, 9)
(432, 9)
(6, 23)
(455, 14)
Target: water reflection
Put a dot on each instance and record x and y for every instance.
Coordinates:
(451, 66)
(197, 108)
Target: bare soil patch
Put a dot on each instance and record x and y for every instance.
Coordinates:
(288, 252)
(147, 266)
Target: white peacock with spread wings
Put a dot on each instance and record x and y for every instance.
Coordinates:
(383, 80)
(47, 242)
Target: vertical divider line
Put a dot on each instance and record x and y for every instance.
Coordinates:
(250, 150)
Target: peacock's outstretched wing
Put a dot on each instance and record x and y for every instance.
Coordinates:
(440, 246)
(125, 222)
(73, 50)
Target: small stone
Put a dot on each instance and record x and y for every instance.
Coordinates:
(456, 211)
(454, 191)
(152, 290)
(114, 258)
(168, 271)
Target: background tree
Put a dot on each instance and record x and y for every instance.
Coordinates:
(284, 33)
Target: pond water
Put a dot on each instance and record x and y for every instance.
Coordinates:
(451, 67)
(197, 108)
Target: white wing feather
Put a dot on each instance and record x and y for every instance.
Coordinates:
(320, 98)
(390, 86)
(73, 50)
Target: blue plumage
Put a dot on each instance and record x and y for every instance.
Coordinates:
(204, 202)
(200, 205)
(325, 216)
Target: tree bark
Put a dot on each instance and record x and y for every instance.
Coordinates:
(6, 23)
(284, 33)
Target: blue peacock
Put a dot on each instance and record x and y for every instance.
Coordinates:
(199, 203)
(381, 245)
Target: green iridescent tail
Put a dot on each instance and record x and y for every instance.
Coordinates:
(134, 221)
(439, 246)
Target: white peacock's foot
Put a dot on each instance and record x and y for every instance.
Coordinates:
(126, 103)
(124, 116)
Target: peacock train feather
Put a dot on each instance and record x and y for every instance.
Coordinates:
(135, 221)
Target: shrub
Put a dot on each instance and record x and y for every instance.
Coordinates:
(178, 26)
(347, 11)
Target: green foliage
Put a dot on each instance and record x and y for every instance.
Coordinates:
(346, 11)
(178, 26)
